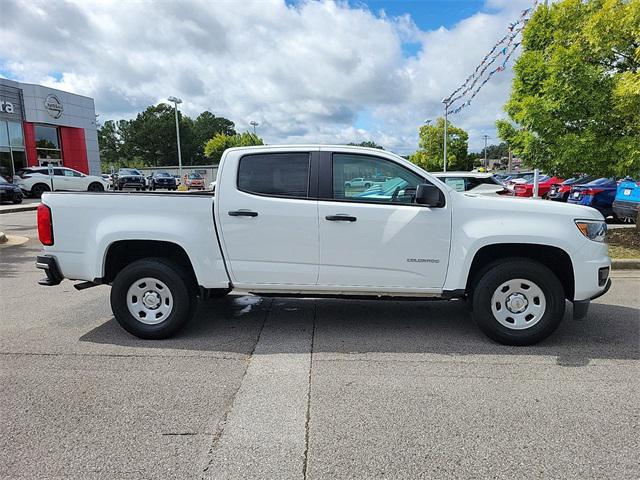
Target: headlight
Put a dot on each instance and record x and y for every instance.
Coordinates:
(595, 230)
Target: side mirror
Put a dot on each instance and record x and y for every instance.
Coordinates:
(429, 195)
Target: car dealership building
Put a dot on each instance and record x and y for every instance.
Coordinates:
(41, 125)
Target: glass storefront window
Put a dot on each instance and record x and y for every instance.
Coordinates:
(6, 169)
(47, 143)
(16, 138)
(47, 137)
(19, 160)
(4, 134)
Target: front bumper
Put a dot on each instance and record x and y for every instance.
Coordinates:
(10, 195)
(50, 267)
(581, 307)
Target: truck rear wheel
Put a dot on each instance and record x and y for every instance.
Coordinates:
(152, 298)
(518, 302)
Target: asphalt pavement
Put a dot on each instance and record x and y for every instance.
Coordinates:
(293, 388)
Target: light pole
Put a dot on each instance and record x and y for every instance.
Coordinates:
(176, 101)
(446, 120)
(254, 124)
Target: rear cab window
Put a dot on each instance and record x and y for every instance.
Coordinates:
(275, 174)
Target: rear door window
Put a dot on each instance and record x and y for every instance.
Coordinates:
(277, 174)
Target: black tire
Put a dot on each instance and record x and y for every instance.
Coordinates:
(95, 187)
(367, 185)
(347, 185)
(510, 269)
(180, 285)
(17, 202)
(38, 189)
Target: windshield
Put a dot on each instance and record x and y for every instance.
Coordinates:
(129, 171)
(162, 174)
(195, 176)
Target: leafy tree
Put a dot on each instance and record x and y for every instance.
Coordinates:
(575, 98)
(206, 126)
(152, 136)
(214, 148)
(493, 152)
(368, 144)
(430, 151)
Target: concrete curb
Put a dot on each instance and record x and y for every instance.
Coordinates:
(19, 208)
(625, 264)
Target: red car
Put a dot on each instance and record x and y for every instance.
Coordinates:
(544, 185)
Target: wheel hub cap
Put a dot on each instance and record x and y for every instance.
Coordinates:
(518, 304)
(149, 300)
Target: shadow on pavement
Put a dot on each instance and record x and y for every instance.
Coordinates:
(232, 325)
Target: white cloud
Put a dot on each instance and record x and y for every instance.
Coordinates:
(305, 72)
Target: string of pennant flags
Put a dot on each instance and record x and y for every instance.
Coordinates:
(502, 49)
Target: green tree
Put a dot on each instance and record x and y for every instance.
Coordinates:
(206, 126)
(368, 144)
(430, 153)
(575, 98)
(152, 136)
(214, 148)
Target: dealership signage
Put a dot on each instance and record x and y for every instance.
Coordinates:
(6, 107)
(10, 103)
(53, 105)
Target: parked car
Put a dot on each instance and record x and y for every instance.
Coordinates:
(273, 232)
(598, 194)
(478, 183)
(129, 178)
(358, 182)
(544, 185)
(194, 181)
(34, 181)
(162, 179)
(559, 192)
(626, 205)
(9, 192)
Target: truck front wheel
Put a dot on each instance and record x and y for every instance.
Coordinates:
(518, 302)
(152, 298)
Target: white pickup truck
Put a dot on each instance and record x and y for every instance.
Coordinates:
(282, 224)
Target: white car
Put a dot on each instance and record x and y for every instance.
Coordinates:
(358, 183)
(274, 232)
(473, 182)
(34, 181)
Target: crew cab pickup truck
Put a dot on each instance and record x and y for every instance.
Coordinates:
(281, 223)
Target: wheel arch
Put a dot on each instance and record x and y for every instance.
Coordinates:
(554, 258)
(123, 252)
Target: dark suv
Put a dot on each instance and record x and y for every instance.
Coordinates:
(129, 178)
(162, 180)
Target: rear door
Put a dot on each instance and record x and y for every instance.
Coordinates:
(378, 238)
(268, 218)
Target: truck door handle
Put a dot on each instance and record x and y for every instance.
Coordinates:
(341, 218)
(242, 213)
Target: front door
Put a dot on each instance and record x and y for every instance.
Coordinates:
(268, 219)
(377, 238)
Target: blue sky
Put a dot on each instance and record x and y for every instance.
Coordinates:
(307, 70)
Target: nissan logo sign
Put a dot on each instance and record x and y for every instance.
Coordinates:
(53, 105)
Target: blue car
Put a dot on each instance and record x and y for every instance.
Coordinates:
(626, 206)
(598, 194)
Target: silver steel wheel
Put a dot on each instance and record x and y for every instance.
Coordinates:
(518, 304)
(149, 300)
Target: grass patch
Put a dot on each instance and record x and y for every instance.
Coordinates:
(624, 243)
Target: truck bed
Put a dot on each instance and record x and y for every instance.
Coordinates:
(86, 225)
